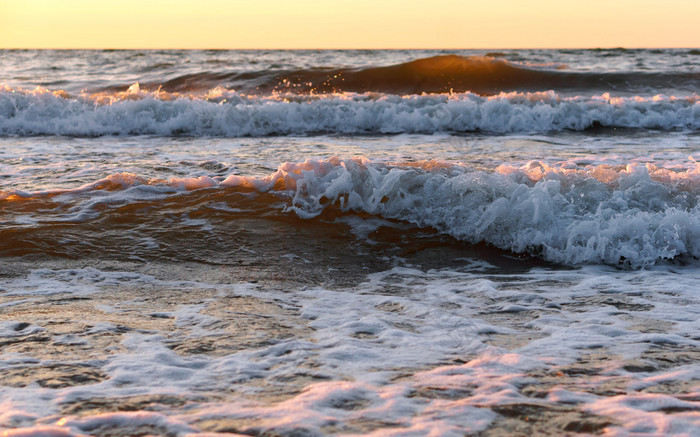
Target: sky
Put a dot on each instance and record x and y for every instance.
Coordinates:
(287, 24)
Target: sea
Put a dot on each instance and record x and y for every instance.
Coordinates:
(349, 242)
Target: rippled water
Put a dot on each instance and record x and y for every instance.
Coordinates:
(349, 242)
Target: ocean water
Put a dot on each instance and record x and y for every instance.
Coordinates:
(402, 242)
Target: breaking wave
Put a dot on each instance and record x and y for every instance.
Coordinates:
(628, 215)
(230, 114)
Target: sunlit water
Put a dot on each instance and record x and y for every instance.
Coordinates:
(350, 242)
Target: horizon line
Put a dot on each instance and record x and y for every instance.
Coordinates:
(360, 48)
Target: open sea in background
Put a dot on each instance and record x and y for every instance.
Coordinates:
(371, 242)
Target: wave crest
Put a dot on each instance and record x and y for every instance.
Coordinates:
(634, 215)
(483, 75)
(230, 114)
(630, 215)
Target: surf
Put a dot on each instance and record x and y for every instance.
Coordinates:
(222, 113)
(630, 215)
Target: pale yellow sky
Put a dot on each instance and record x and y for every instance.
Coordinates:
(348, 23)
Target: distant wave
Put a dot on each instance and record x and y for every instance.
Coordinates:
(629, 215)
(230, 114)
(438, 74)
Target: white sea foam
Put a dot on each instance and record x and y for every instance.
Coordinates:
(634, 214)
(226, 113)
(387, 358)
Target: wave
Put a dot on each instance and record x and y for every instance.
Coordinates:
(482, 75)
(629, 215)
(230, 114)
(635, 215)
(479, 75)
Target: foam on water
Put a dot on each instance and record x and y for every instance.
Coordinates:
(424, 360)
(229, 114)
(634, 215)
(158, 281)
